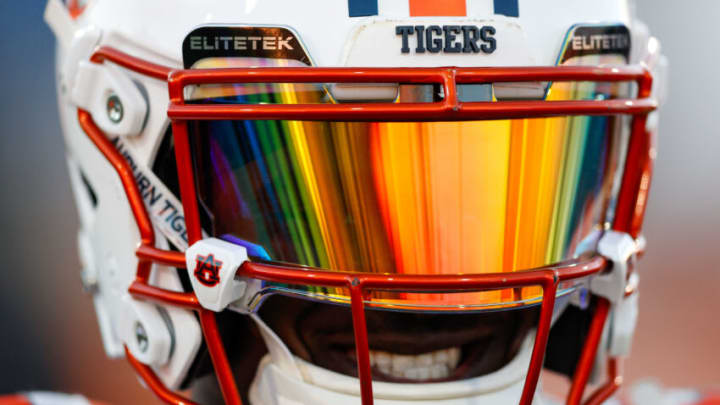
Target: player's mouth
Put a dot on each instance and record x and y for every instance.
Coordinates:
(414, 356)
(404, 347)
(439, 365)
(436, 365)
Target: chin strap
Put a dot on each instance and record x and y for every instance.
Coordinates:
(279, 353)
(319, 386)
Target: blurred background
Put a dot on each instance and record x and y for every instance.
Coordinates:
(49, 338)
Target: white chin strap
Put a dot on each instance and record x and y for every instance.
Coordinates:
(278, 382)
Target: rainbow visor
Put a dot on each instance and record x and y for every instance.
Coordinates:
(408, 198)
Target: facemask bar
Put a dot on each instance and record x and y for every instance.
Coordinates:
(628, 218)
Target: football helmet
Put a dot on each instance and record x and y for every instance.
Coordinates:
(360, 201)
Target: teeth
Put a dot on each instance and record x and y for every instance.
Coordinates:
(381, 359)
(400, 363)
(426, 366)
(453, 358)
(439, 371)
(417, 373)
(424, 360)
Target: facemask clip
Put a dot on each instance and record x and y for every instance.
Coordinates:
(619, 286)
(212, 264)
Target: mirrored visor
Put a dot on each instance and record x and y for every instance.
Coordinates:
(417, 198)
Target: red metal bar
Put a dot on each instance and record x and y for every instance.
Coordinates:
(409, 75)
(613, 384)
(439, 111)
(143, 67)
(569, 270)
(587, 357)
(125, 173)
(635, 73)
(632, 199)
(451, 101)
(142, 290)
(549, 286)
(449, 109)
(362, 347)
(166, 257)
(224, 373)
(154, 383)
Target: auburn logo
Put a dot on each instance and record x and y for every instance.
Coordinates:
(207, 270)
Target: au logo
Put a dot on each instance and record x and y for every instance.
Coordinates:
(207, 270)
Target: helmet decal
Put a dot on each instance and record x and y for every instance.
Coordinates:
(214, 41)
(362, 8)
(429, 8)
(162, 205)
(207, 270)
(593, 39)
(509, 8)
(448, 38)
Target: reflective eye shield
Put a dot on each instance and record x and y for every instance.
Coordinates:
(418, 198)
(627, 217)
(278, 171)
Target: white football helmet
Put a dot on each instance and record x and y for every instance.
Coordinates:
(360, 201)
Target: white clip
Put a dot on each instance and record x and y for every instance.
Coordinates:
(115, 102)
(279, 352)
(145, 332)
(212, 264)
(620, 249)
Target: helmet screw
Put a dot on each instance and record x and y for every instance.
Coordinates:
(141, 337)
(114, 109)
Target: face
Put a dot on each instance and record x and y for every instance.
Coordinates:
(404, 347)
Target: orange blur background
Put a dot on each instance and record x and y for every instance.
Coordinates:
(49, 339)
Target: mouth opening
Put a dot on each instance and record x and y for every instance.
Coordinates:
(405, 347)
